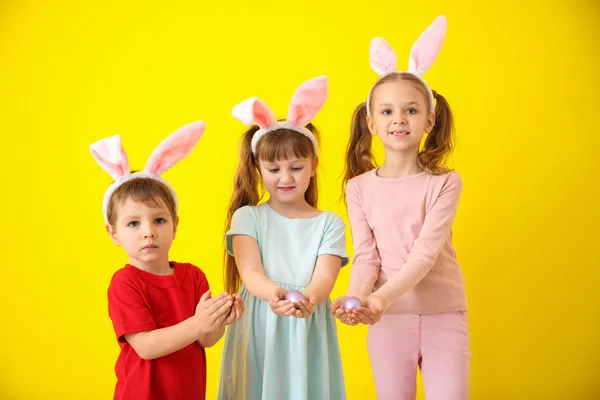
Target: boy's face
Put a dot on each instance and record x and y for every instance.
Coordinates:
(145, 233)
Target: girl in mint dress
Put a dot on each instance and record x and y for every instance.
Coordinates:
(279, 350)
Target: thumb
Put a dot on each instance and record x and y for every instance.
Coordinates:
(205, 296)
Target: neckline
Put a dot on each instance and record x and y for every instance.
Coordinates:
(292, 219)
(398, 179)
(163, 281)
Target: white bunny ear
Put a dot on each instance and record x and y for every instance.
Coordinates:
(174, 148)
(383, 57)
(427, 47)
(111, 156)
(254, 110)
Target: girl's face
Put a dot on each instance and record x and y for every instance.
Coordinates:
(287, 180)
(400, 116)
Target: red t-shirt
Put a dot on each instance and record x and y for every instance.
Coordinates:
(140, 301)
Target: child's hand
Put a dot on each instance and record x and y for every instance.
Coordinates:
(212, 312)
(284, 308)
(306, 307)
(337, 309)
(236, 310)
(371, 313)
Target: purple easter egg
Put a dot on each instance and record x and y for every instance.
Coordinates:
(294, 296)
(352, 303)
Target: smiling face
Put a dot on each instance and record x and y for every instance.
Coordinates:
(400, 113)
(287, 163)
(287, 180)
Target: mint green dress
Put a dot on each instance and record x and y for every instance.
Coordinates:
(269, 357)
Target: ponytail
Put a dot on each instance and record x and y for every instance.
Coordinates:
(245, 193)
(440, 141)
(359, 157)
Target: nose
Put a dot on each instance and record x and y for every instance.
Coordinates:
(286, 177)
(399, 119)
(149, 232)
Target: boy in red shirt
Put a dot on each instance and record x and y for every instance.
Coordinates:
(162, 311)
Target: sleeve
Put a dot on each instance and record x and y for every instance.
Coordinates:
(366, 262)
(427, 247)
(334, 239)
(243, 222)
(128, 310)
(202, 284)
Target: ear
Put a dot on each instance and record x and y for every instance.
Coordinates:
(113, 234)
(174, 148)
(382, 56)
(430, 122)
(111, 156)
(371, 125)
(307, 101)
(175, 225)
(315, 164)
(427, 47)
(254, 110)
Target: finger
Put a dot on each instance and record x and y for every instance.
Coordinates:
(220, 306)
(276, 298)
(303, 307)
(205, 296)
(215, 299)
(285, 310)
(364, 317)
(280, 306)
(238, 312)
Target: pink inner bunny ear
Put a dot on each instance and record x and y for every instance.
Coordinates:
(383, 57)
(307, 101)
(427, 47)
(175, 147)
(111, 156)
(263, 116)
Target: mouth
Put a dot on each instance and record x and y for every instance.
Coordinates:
(150, 247)
(400, 133)
(286, 188)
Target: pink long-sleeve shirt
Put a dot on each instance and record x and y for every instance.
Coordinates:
(402, 237)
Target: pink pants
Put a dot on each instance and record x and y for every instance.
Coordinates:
(438, 344)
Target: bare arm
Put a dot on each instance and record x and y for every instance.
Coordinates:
(249, 264)
(326, 272)
(209, 316)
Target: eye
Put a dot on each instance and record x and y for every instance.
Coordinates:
(273, 170)
(160, 221)
(133, 224)
(411, 110)
(296, 169)
(387, 111)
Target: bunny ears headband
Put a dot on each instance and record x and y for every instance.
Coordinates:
(112, 158)
(422, 55)
(305, 104)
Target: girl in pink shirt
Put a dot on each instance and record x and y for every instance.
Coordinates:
(404, 267)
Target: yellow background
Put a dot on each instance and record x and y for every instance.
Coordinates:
(522, 78)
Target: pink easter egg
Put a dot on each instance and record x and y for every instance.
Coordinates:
(352, 303)
(294, 296)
